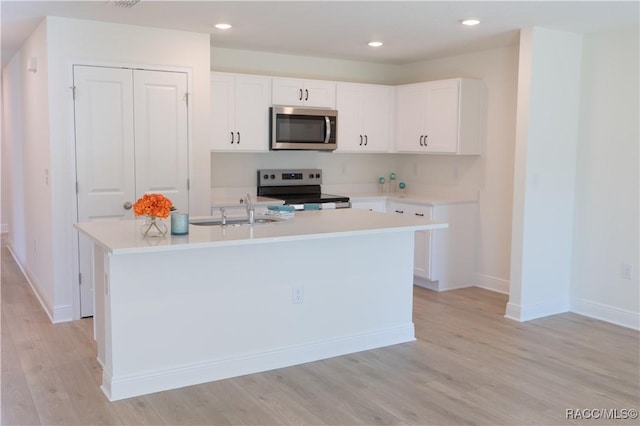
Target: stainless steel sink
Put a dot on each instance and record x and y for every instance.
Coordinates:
(235, 221)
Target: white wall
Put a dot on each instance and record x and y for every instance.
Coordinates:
(31, 237)
(607, 180)
(13, 192)
(490, 175)
(545, 168)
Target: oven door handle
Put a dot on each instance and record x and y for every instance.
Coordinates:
(327, 133)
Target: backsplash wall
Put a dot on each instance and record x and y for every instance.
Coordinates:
(239, 170)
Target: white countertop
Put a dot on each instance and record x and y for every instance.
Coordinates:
(120, 237)
(412, 198)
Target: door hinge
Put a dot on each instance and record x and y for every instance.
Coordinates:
(80, 278)
(186, 97)
(73, 92)
(188, 184)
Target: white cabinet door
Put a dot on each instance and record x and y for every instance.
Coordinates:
(440, 117)
(223, 108)
(371, 205)
(300, 92)
(240, 112)
(364, 117)
(161, 143)
(131, 138)
(411, 110)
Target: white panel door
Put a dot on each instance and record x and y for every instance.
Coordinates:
(442, 116)
(131, 138)
(104, 156)
(161, 139)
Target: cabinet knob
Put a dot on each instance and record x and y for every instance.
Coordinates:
(127, 205)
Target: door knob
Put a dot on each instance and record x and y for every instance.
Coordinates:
(127, 205)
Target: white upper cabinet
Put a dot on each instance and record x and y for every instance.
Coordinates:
(443, 117)
(365, 114)
(299, 92)
(240, 112)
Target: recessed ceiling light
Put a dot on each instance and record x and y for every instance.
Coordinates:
(470, 22)
(222, 26)
(375, 43)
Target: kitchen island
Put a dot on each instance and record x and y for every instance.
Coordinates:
(225, 301)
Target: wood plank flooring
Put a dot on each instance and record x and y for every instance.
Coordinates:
(469, 365)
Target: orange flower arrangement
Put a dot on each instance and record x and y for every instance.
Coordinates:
(153, 205)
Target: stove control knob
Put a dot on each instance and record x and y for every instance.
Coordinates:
(265, 177)
(317, 175)
(310, 175)
(273, 176)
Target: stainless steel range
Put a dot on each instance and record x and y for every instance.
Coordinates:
(298, 187)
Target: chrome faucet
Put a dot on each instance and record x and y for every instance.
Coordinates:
(223, 212)
(251, 212)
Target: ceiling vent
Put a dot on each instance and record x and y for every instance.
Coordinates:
(126, 3)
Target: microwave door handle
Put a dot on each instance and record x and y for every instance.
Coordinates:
(327, 134)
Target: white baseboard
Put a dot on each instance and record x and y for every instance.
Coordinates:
(126, 386)
(499, 285)
(57, 313)
(606, 313)
(421, 282)
(525, 313)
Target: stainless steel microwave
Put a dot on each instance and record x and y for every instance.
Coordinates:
(296, 128)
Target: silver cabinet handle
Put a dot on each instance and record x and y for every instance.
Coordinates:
(360, 140)
(232, 137)
(238, 133)
(425, 140)
(421, 137)
(127, 205)
(306, 91)
(300, 95)
(366, 140)
(400, 211)
(419, 214)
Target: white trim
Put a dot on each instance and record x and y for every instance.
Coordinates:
(425, 283)
(126, 386)
(499, 285)
(606, 313)
(34, 287)
(538, 310)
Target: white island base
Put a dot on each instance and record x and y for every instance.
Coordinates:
(172, 318)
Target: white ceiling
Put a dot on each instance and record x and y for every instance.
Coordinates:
(410, 30)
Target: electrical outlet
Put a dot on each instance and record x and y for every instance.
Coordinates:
(627, 271)
(297, 295)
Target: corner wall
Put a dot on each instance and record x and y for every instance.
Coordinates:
(544, 174)
(606, 230)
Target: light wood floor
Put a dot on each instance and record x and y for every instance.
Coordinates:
(468, 366)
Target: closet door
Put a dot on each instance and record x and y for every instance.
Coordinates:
(105, 163)
(161, 138)
(131, 138)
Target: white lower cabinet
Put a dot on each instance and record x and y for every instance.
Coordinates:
(444, 259)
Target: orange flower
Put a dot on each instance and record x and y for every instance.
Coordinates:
(153, 205)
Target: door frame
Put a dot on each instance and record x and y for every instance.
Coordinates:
(71, 196)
